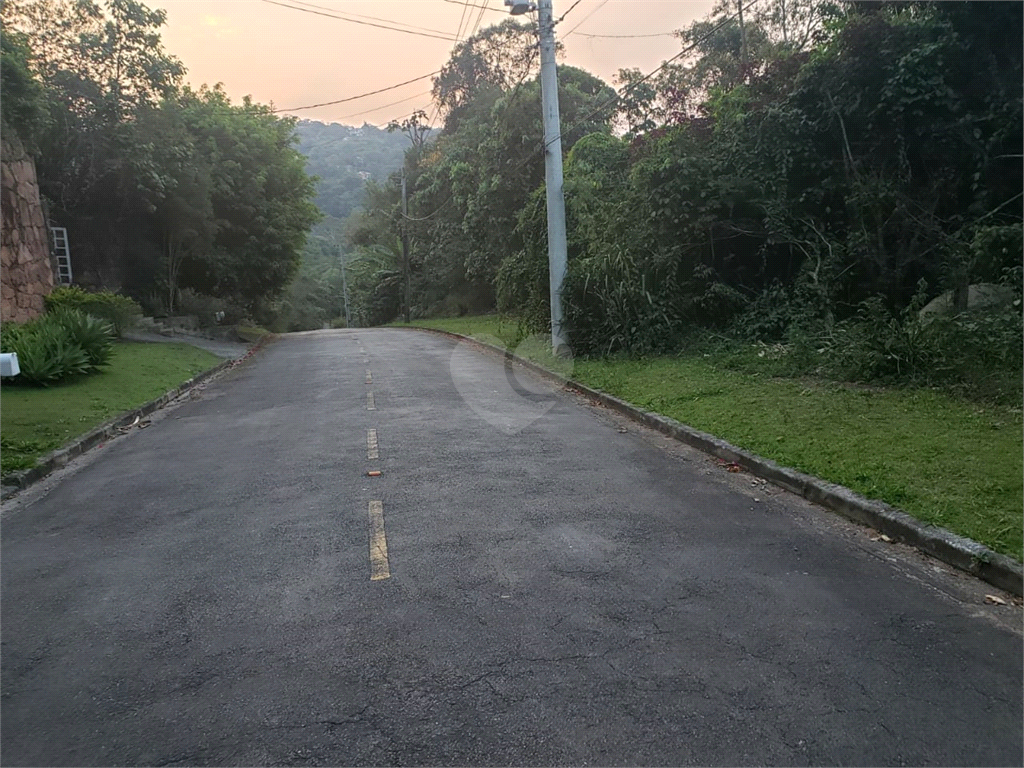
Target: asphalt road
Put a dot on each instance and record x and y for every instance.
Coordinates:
(530, 581)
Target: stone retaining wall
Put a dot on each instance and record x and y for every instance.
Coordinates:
(26, 270)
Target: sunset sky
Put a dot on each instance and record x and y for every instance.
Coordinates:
(295, 58)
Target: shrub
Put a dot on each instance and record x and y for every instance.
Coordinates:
(9, 334)
(522, 289)
(206, 308)
(119, 311)
(612, 304)
(47, 352)
(982, 353)
(58, 345)
(977, 354)
(996, 249)
(767, 317)
(880, 346)
(94, 336)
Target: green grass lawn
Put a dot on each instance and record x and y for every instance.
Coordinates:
(35, 421)
(481, 326)
(946, 461)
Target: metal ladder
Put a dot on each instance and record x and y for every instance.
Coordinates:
(62, 253)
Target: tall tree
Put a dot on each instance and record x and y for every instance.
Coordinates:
(23, 108)
(100, 64)
(160, 186)
(178, 189)
(114, 46)
(260, 197)
(496, 59)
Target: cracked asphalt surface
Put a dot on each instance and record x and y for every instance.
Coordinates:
(565, 589)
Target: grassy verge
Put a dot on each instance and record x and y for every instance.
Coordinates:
(35, 421)
(481, 326)
(946, 461)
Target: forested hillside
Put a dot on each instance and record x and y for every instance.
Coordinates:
(810, 178)
(344, 157)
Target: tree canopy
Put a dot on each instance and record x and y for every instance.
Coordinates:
(344, 158)
(161, 187)
(809, 170)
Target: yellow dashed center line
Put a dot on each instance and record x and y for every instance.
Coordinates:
(379, 567)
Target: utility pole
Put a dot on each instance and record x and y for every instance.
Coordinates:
(743, 43)
(405, 248)
(553, 173)
(344, 280)
(344, 288)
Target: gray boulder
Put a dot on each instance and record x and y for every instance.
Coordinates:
(979, 296)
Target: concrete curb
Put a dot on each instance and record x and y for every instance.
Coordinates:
(16, 482)
(958, 551)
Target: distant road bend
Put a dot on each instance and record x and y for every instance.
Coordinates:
(529, 580)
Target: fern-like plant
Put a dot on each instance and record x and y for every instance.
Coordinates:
(47, 353)
(93, 335)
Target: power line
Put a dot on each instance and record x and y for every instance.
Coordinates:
(479, 16)
(511, 99)
(559, 19)
(385, 106)
(473, 5)
(623, 37)
(399, 118)
(436, 111)
(465, 34)
(584, 19)
(357, 21)
(470, 6)
(542, 146)
(383, 126)
(653, 72)
(458, 32)
(372, 18)
(360, 96)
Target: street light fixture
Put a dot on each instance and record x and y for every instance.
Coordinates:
(519, 7)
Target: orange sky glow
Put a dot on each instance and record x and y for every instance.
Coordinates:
(295, 58)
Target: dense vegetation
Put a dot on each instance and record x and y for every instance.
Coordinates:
(808, 180)
(343, 158)
(161, 187)
(838, 182)
(59, 345)
(74, 338)
(119, 311)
